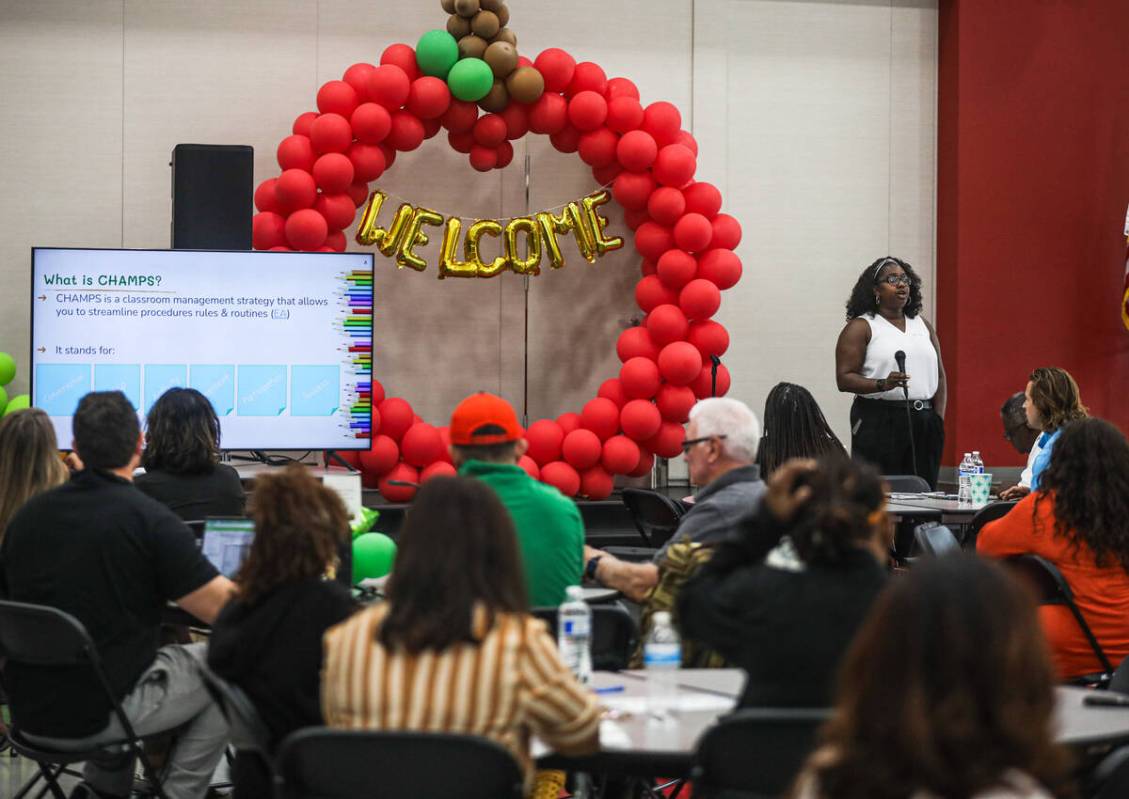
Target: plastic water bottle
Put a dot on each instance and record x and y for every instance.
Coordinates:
(964, 487)
(574, 634)
(977, 463)
(662, 657)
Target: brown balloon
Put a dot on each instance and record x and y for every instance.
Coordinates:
(466, 8)
(457, 26)
(497, 99)
(448, 6)
(502, 58)
(490, 5)
(485, 24)
(505, 35)
(526, 84)
(503, 13)
(471, 46)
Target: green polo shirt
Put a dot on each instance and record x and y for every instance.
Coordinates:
(550, 532)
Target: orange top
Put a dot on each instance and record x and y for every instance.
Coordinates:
(1102, 594)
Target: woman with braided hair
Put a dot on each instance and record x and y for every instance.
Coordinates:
(787, 619)
(794, 427)
(884, 318)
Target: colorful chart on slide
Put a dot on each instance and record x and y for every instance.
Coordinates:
(280, 343)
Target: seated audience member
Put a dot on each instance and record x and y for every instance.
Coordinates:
(720, 450)
(947, 691)
(1077, 519)
(486, 444)
(181, 458)
(29, 460)
(794, 427)
(788, 619)
(1051, 399)
(1020, 435)
(456, 615)
(267, 640)
(99, 549)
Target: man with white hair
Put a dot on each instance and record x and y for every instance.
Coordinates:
(720, 449)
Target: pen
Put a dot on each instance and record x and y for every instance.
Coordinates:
(611, 689)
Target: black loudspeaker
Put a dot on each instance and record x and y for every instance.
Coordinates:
(212, 196)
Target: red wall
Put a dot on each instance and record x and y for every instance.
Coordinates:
(1033, 182)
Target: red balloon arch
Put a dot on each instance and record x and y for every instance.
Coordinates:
(687, 246)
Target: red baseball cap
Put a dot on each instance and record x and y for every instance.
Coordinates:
(483, 419)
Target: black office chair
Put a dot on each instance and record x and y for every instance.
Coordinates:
(655, 515)
(320, 763)
(248, 732)
(755, 752)
(1051, 588)
(35, 635)
(1110, 777)
(907, 483)
(906, 530)
(934, 540)
(988, 513)
(614, 634)
(1120, 680)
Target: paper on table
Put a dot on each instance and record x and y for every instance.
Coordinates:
(683, 700)
(348, 487)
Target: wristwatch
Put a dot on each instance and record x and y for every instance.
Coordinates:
(880, 384)
(590, 568)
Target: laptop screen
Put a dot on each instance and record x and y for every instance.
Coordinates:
(226, 543)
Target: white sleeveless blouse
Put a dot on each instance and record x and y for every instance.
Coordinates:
(921, 357)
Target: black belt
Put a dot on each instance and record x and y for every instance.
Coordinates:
(915, 404)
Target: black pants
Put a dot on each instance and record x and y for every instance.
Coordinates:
(880, 435)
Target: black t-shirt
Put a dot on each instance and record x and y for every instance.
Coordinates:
(272, 650)
(217, 492)
(107, 554)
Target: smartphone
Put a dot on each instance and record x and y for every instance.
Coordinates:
(1106, 699)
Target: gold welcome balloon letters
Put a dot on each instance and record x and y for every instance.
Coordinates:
(521, 244)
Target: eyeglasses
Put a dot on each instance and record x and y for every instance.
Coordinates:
(896, 280)
(691, 442)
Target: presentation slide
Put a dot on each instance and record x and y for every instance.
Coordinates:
(281, 343)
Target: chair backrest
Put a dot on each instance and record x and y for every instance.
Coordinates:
(756, 752)
(1120, 680)
(907, 483)
(37, 635)
(988, 513)
(320, 763)
(614, 634)
(655, 515)
(249, 732)
(1051, 588)
(934, 540)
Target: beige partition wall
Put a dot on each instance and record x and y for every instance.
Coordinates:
(816, 120)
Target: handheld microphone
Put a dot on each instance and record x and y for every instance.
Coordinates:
(900, 357)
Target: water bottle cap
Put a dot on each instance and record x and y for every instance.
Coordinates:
(662, 617)
(575, 592)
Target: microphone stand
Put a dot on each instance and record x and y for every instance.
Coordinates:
(714, 363)
(909, 425)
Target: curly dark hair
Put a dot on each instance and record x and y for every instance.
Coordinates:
(862, 295)
(794, 427)
(299, 525)
(182, 433)
(1089, 478)
(947, 686)
(845, 496)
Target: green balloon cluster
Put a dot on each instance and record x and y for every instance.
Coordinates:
(436, 52)
(471, 79)
(7, 368)
(7, 374)
(373, 554)
(17, 403)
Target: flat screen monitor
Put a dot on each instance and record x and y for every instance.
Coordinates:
(279, 342)
(226, 543)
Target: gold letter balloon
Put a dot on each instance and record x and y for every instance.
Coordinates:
(520, 243)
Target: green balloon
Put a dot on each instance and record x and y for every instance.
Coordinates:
(471, 79)
(3, 400)
(373, 554)
(436, 52)
(17, 403)
(7, 368)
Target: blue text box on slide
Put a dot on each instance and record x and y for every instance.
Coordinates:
(262, 390)
(160, 377)
(59, 387)
(314, 390)
(217, 383)
(123, 377)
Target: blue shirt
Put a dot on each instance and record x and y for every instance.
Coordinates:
(1043, 459)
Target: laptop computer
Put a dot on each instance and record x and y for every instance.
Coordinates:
(227, 540)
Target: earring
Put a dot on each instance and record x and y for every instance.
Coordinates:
(877, 301)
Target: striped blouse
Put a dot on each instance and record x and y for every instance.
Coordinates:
(508, 686)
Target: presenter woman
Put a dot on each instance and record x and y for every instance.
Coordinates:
(884, 318)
